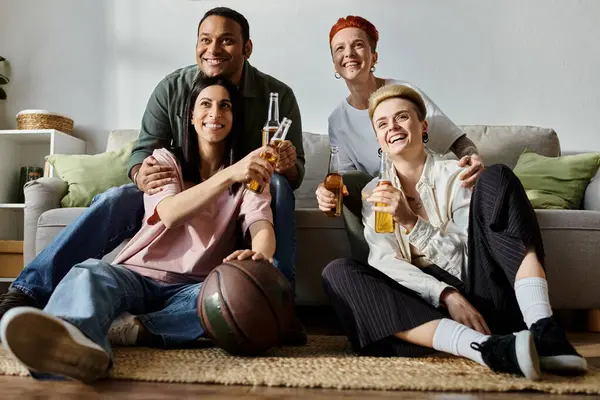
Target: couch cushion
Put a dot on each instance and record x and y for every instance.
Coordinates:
(320, 240)
(316, 150)
(120, 137)
(504, 144)
(89, 175)
(571, 240)
(591, 200)
(52, 222)
(556, 182)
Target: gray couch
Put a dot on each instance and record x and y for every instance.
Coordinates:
(571, 237)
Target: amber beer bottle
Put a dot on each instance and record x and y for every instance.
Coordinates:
(268, 131)
(334, 182)
(271, 153)
(384, 222)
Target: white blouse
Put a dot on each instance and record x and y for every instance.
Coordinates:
(442, 239)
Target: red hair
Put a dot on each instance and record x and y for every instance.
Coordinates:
(352, 21)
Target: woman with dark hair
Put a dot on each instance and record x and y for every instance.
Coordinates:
(190, 227)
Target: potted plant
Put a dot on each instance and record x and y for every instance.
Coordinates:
(3, 81)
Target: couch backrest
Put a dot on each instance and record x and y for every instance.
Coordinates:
(496, 144)
(120, 137)
(504, 144)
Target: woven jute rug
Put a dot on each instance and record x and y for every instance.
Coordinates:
(326, 362)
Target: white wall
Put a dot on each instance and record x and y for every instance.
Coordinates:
(482, 61)
(56, 52)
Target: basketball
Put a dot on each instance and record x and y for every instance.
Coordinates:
(245, 306)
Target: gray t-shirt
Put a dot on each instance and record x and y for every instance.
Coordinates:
(351, 130)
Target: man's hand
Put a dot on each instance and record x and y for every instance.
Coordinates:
(287, 157)
(475, 163)
(246, 254)
(326, 198)
(151, 177)
(463, 312)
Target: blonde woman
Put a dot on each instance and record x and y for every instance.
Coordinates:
(463, 270)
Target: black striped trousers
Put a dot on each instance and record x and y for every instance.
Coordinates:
(502, 226)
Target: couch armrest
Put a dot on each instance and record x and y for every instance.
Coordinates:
(591, 200)
(41, 195)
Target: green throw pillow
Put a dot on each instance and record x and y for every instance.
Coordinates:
(89, 175)
(556, 182)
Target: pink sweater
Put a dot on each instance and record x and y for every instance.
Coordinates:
(187, 253)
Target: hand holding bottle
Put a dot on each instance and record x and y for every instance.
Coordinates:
(287, 156)
(270, 153)
(391, 200)
(327, 199)
(330, 193)
(253, 167)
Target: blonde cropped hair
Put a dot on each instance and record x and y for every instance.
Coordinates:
(399, 92)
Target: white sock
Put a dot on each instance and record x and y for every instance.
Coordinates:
(454, 338)
(532, 296)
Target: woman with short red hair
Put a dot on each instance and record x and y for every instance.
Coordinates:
(353, 42)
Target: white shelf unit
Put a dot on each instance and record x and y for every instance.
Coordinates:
(26, 148)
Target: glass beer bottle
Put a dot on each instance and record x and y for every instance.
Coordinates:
(271, 153)
(272, 123)
(268, 131)
(334, 182)
(384, 222)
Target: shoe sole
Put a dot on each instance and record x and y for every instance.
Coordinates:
(527, 356)
(44, 345)
(564, 364)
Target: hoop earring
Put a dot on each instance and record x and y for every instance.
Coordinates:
(373, 68)
(425, 137)
(379, 153)
(337, 75)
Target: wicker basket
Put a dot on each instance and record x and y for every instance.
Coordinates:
(42, 119)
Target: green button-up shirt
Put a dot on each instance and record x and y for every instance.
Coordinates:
(162, 123)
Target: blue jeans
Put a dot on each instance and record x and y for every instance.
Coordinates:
(113, 216)
(95, 292)
(116, 215)
(283, 204)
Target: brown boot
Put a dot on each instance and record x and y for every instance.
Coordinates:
(15, 298)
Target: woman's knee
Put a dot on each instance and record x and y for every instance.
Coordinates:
(496, 174)
(123, 194)
(280, 185)
(338, 271)
(95, 268)
(93, 265)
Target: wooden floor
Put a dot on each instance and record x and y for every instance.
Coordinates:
(27, 388)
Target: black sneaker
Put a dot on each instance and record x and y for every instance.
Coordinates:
(296, 336)
(14, 298)
(556, 353)
(514, 354)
